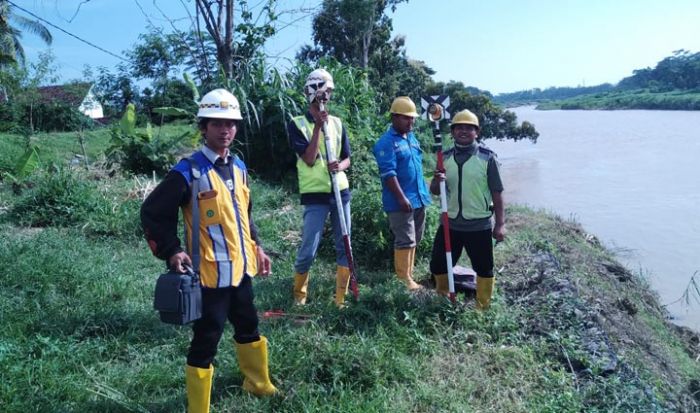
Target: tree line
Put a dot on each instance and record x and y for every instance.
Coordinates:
(352, 38)
(679, 72)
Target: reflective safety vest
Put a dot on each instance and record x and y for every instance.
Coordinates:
(467, 185)
(226, 247)
(316, 179)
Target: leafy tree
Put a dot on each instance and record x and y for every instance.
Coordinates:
(21, 89)
(155, 56)
(494, 121)
(679, 71)
(358, 33)
(115, 90)
(350, 31)
(11, 50)
(218, 17)
(392, 73)
(174, 93)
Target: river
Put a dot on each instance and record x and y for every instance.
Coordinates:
(631, 177)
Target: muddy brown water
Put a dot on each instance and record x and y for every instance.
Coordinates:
(630, 177)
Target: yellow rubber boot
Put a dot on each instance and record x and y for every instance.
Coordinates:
(301, 284)
(198, 383)
(342, 279)
(442, 284)
(484, 290)
(403, 263)
(252, 360)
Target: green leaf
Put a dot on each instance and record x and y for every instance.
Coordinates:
(171, 111)
(128, 122)
(27, 163)
(193, 87)
(149, 132)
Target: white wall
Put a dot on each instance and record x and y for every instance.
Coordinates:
(91, 107)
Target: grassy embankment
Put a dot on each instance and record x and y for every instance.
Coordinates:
(570, 330)
(632, 99)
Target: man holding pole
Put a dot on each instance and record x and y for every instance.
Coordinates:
(314, 171)
(474, 193)
(404, 191)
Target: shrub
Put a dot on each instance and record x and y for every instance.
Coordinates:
(47, 117)
(370, 227)
(144, 152)
(56, 197)
(66, 197)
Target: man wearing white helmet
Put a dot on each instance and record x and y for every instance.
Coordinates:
(474, 194)
(306, 138)
(229, 248)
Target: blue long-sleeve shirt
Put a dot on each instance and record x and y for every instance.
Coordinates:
(401, 157)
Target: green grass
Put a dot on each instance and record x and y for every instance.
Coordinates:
(80, 335)
(63, 147)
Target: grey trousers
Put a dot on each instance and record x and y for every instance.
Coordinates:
(407, 227)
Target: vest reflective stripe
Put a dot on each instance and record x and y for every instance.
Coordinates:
(226, 246)
(315, 179)
(468, 187)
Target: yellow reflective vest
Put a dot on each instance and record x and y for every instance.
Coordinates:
(226, 247)
(316, 179)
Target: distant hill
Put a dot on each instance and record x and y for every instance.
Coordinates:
(674, 84)
(538, 95)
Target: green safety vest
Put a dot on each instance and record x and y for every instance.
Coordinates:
(315, 179)
(467, 185)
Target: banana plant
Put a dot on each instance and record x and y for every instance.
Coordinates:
(140, 151)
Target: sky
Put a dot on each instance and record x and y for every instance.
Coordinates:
(498, 45)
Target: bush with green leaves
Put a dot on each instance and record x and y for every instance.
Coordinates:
(55, 197)
(28, 113)
(143, 152)
(67, 197)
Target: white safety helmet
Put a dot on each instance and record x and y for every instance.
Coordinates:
(219, 104)
(317, 81)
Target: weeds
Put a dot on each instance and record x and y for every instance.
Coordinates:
(79, 332)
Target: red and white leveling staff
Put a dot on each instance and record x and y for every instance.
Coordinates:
(330, 158)
(435, 113)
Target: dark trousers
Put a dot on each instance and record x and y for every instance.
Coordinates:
(218, 304)
(477, 244)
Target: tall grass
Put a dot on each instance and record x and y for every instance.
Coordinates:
(79, 333)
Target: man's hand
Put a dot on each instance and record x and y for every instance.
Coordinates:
(438, 176)
(499, 232)
(264, 262)
(178, 262)
(405, 205)
(319, 117)
(333, 166)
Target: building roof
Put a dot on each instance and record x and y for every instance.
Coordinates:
(71, 94)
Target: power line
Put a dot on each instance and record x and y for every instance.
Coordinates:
(69, 34)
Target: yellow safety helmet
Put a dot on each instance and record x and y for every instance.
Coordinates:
(403, 105)
(219, 104)
(465, 117)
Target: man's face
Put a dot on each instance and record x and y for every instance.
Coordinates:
(219, 134)
(402, 123)
(464, 134)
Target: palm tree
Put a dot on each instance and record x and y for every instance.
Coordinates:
(11, 50)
